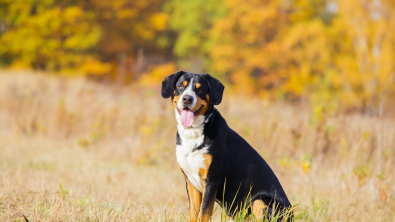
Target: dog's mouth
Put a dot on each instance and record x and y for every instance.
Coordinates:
(195, 113)
(187, 116)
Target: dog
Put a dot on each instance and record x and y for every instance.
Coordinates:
(217, 163)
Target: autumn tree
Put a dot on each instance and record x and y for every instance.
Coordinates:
(321, 49)
(328, 51)
(191, 21)
(93, 36)
(44, 35)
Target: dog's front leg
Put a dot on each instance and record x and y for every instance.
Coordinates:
(209, 195)
(195, 200)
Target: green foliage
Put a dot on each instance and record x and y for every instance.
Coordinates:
(192, 20)
(63, 193)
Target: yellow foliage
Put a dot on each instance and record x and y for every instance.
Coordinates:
(306, 167)
(127, 13)
(306, 163)
(329, 48)
(71, 14)
(326, 51)
(144, 32)
(95, 67)
(159, 20)
(157, 73)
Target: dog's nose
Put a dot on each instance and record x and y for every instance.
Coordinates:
(187, 99)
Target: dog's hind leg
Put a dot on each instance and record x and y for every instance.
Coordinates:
(259, 209)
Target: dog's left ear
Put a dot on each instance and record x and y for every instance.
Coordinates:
(168, 84)
(216, 89)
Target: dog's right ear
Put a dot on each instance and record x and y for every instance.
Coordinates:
(168, 84)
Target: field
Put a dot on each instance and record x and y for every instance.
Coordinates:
(74, 150)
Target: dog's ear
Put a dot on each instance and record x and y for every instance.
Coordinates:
(216, 89)
(168, 84)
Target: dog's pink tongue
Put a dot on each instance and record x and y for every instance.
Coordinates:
(186, 118)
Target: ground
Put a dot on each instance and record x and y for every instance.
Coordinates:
(75, 150)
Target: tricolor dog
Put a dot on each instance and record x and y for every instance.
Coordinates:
(218, 164)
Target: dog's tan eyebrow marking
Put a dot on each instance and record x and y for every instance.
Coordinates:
(198, 85)
(185, 83)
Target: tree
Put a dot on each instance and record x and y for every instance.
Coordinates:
(44, 35)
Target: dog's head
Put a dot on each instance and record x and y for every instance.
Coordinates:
(192, 95)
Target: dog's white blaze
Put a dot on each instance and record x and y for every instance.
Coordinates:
(188, 91)
(190, 162)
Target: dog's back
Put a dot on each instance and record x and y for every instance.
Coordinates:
(246, 175)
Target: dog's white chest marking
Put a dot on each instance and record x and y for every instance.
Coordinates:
(190, 162)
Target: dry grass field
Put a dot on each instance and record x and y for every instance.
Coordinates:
(73, 150)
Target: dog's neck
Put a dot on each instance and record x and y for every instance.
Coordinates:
(196, 130)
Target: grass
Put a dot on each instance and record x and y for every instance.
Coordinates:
(73, 150)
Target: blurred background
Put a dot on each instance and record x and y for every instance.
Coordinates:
(328, 51)
(85, 134)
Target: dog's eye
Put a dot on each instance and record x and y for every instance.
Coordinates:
(181, 87)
